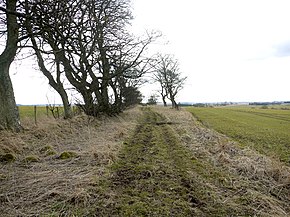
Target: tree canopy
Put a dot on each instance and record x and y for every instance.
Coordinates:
(85, 46)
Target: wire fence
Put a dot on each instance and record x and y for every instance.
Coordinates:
(37, 111)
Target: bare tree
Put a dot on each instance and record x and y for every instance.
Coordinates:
(169, 77)
(44, 16)
(90, 42)
(9, 115)
(28, 34)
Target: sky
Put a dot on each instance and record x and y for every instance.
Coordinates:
(230, 50)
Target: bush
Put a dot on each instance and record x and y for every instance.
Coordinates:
(152, 100)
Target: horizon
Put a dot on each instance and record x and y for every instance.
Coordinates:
(182, 103)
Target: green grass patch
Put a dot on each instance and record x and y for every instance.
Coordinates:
(266, 130)
(67, 155)
(28, 111)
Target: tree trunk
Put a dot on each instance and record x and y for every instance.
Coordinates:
(172, 99)
(9, 115)
(164, 100)
(104, 104)
(173, 103)
(66, 104)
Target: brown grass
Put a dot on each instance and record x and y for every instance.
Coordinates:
(30, 188)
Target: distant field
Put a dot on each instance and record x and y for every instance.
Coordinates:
(28, 111)
(267, 129)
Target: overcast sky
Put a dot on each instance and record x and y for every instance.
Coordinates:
(231, 50)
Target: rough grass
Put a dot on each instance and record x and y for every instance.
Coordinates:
(245, 180)
(266, 130)
(39, 181)
(162, 165)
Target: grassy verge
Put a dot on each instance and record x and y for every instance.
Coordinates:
(49, 168)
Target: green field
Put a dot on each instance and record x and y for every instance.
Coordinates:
(264, 129)
(28, 111)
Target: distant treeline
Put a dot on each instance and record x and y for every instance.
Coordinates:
(269, 103)
(206, 104)
(232, 103)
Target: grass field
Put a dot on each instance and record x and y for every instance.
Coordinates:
(265, 129)
(28, 111)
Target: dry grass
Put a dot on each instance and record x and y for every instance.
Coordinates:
(240, 180)
(258, 182)
(33, 187)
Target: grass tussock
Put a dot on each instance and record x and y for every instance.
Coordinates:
(38, 182)
(7, 158)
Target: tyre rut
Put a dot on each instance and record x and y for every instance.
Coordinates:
(151, 176)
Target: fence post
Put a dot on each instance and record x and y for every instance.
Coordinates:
(47, 110)
(35, 120)
(57, 111)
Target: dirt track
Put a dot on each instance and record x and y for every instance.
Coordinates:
(151, 177)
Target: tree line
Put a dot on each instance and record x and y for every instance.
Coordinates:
(85, 45)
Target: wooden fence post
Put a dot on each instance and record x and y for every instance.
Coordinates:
(35, 119)
(47, 110)
(57, 111)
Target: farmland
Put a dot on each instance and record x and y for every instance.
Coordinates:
(27, 111)
(261, 128)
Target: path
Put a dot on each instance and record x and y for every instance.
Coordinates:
(151, 176)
